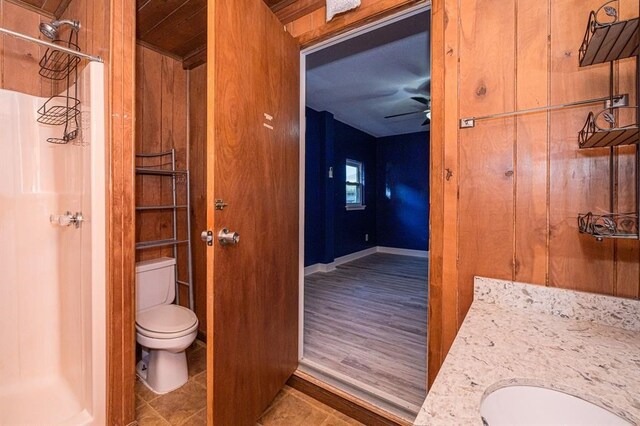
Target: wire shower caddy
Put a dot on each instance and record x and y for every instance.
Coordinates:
(62, 109)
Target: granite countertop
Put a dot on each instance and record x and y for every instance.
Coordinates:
(583, 344)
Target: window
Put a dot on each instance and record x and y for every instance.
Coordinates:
(355, 185)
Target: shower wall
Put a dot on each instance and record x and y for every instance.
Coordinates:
(52, 298)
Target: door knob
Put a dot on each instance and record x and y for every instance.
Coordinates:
(228, 238)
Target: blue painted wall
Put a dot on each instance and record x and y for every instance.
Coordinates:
(315, 187)
(330, 230)
(351, 226)
(403, 191)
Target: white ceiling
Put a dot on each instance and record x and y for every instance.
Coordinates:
(364, 79)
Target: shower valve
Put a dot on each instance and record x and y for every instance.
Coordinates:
(67, 219)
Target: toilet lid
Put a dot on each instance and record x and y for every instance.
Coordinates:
(166, 319)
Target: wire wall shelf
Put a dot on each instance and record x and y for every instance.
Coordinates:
(616, 125)
(608, 41)
(57, 64)
(594, 135)
(610, 225)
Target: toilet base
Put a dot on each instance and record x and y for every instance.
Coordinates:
(163, 371)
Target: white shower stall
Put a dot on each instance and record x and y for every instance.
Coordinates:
(52, 264)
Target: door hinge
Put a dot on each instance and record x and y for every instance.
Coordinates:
(220, 204)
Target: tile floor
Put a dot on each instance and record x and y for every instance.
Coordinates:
(294, 408)
(187, 405)
(184, 406)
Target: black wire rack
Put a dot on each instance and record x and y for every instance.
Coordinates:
(604, 129)
(56, 64)
(610, 40)
(58, 110)
(68, 136)
(606, 40)
(609, 225)
(62, 109)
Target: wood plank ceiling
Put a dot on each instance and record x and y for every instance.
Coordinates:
(51, 8)
(179, 27)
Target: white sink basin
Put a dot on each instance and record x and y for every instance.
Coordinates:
(531, 405)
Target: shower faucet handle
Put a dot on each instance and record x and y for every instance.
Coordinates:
(67, 219)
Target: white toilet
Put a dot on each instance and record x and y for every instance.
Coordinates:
(163, 330)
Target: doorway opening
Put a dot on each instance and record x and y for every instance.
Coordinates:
(364, 213)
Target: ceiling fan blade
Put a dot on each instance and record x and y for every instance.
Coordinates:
(421, 99)
(426, 121)
(423, 89)
(405, 113)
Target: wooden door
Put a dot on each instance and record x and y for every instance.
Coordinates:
(252, 152)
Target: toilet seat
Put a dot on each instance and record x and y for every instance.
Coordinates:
(166, 322)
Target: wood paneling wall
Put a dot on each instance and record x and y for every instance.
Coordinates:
(198, 168)
(161, 110)
(508, 207)
(18, 58)
(313, 28)
(94, 18)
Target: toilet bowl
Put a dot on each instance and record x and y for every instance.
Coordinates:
(164, 330)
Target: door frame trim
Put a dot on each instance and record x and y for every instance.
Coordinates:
(405, 13)
(118, 36)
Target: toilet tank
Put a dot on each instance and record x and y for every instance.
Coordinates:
(155, 282)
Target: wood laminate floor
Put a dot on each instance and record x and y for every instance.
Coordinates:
(368, 320)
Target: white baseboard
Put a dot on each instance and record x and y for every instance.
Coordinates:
(353, 256)
(328, 267)
(403, 252)
(319, 267)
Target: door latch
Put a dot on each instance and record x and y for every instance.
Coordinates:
(220, 204)
(207, 237)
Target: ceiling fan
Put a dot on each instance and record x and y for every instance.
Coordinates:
(427, 111)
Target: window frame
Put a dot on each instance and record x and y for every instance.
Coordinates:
(359, 165)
